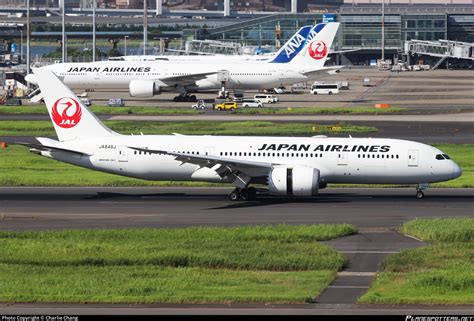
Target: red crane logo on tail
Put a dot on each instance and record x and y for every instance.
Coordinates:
(66, 112)
(317, 49)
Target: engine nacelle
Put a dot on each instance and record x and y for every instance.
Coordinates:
(294, 181)
(143, 88)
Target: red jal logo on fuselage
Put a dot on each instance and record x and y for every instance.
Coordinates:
(318, 49)
(66, 112)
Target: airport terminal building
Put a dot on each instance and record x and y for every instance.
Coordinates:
(361, 27)
(272, 22)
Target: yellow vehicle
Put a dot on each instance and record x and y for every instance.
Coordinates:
(228, 105)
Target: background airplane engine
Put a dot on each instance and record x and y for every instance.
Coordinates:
(294, 181)
(144, 88)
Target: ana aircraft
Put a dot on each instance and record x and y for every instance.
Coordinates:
(303, 61)
(292, 46)
(287, 166)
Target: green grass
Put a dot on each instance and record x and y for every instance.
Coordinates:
(150, 284)
(317, 110)
(45, 128)
(103, 110)
(19, 167)
(442, 273)
(149, 110)
(441, 229)
(242, 264)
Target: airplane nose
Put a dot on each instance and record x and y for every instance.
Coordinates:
(30, 78)
(456, 170)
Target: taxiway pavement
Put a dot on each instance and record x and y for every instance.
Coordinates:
(83, 207)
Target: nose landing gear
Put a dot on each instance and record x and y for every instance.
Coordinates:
(243, 194)
(420, 194)
(419, 190)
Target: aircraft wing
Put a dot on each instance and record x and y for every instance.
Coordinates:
(52, 148)
(228, 166)
(329, 70)
(186, 79)
(343, 51)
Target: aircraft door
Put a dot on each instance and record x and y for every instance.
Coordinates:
(412, 157)
(209, 151)
(342, 159)
(123, 154)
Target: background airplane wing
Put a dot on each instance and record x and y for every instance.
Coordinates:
(329, 70)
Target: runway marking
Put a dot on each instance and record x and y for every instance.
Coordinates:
(414, 237)
(348, 287)
(356, 273)
(69, 216)
(369, 252)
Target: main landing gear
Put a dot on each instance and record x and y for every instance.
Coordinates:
(243, 194)
(419, 190)
(185, 98)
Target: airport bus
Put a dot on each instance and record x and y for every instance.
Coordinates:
(324, 89)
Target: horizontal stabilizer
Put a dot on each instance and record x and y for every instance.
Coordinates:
(51, 148)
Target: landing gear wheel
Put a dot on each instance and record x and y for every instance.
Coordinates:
(252, 192)
(234, 195)
(176, 99)
(420, 194)
(193, 98)
(244, 195)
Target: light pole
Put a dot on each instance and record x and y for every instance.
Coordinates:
(383, 30)
(93, 29)
(145, 26)
(21, 44)
(125, 43)
(63, 31)
(27, 36)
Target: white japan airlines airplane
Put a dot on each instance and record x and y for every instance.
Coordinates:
(288, 166)
(299, 63)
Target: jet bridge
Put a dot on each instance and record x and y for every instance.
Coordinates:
(443, 49)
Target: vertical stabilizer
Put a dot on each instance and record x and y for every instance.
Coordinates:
(292, 47)
(71, 118)
(317, 45)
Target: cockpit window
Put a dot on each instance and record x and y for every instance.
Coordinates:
(439, 157)
(446, 156)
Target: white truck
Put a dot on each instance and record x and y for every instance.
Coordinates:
(266, 99)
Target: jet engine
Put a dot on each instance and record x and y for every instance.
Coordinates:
(144, 88)
(294, 181)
